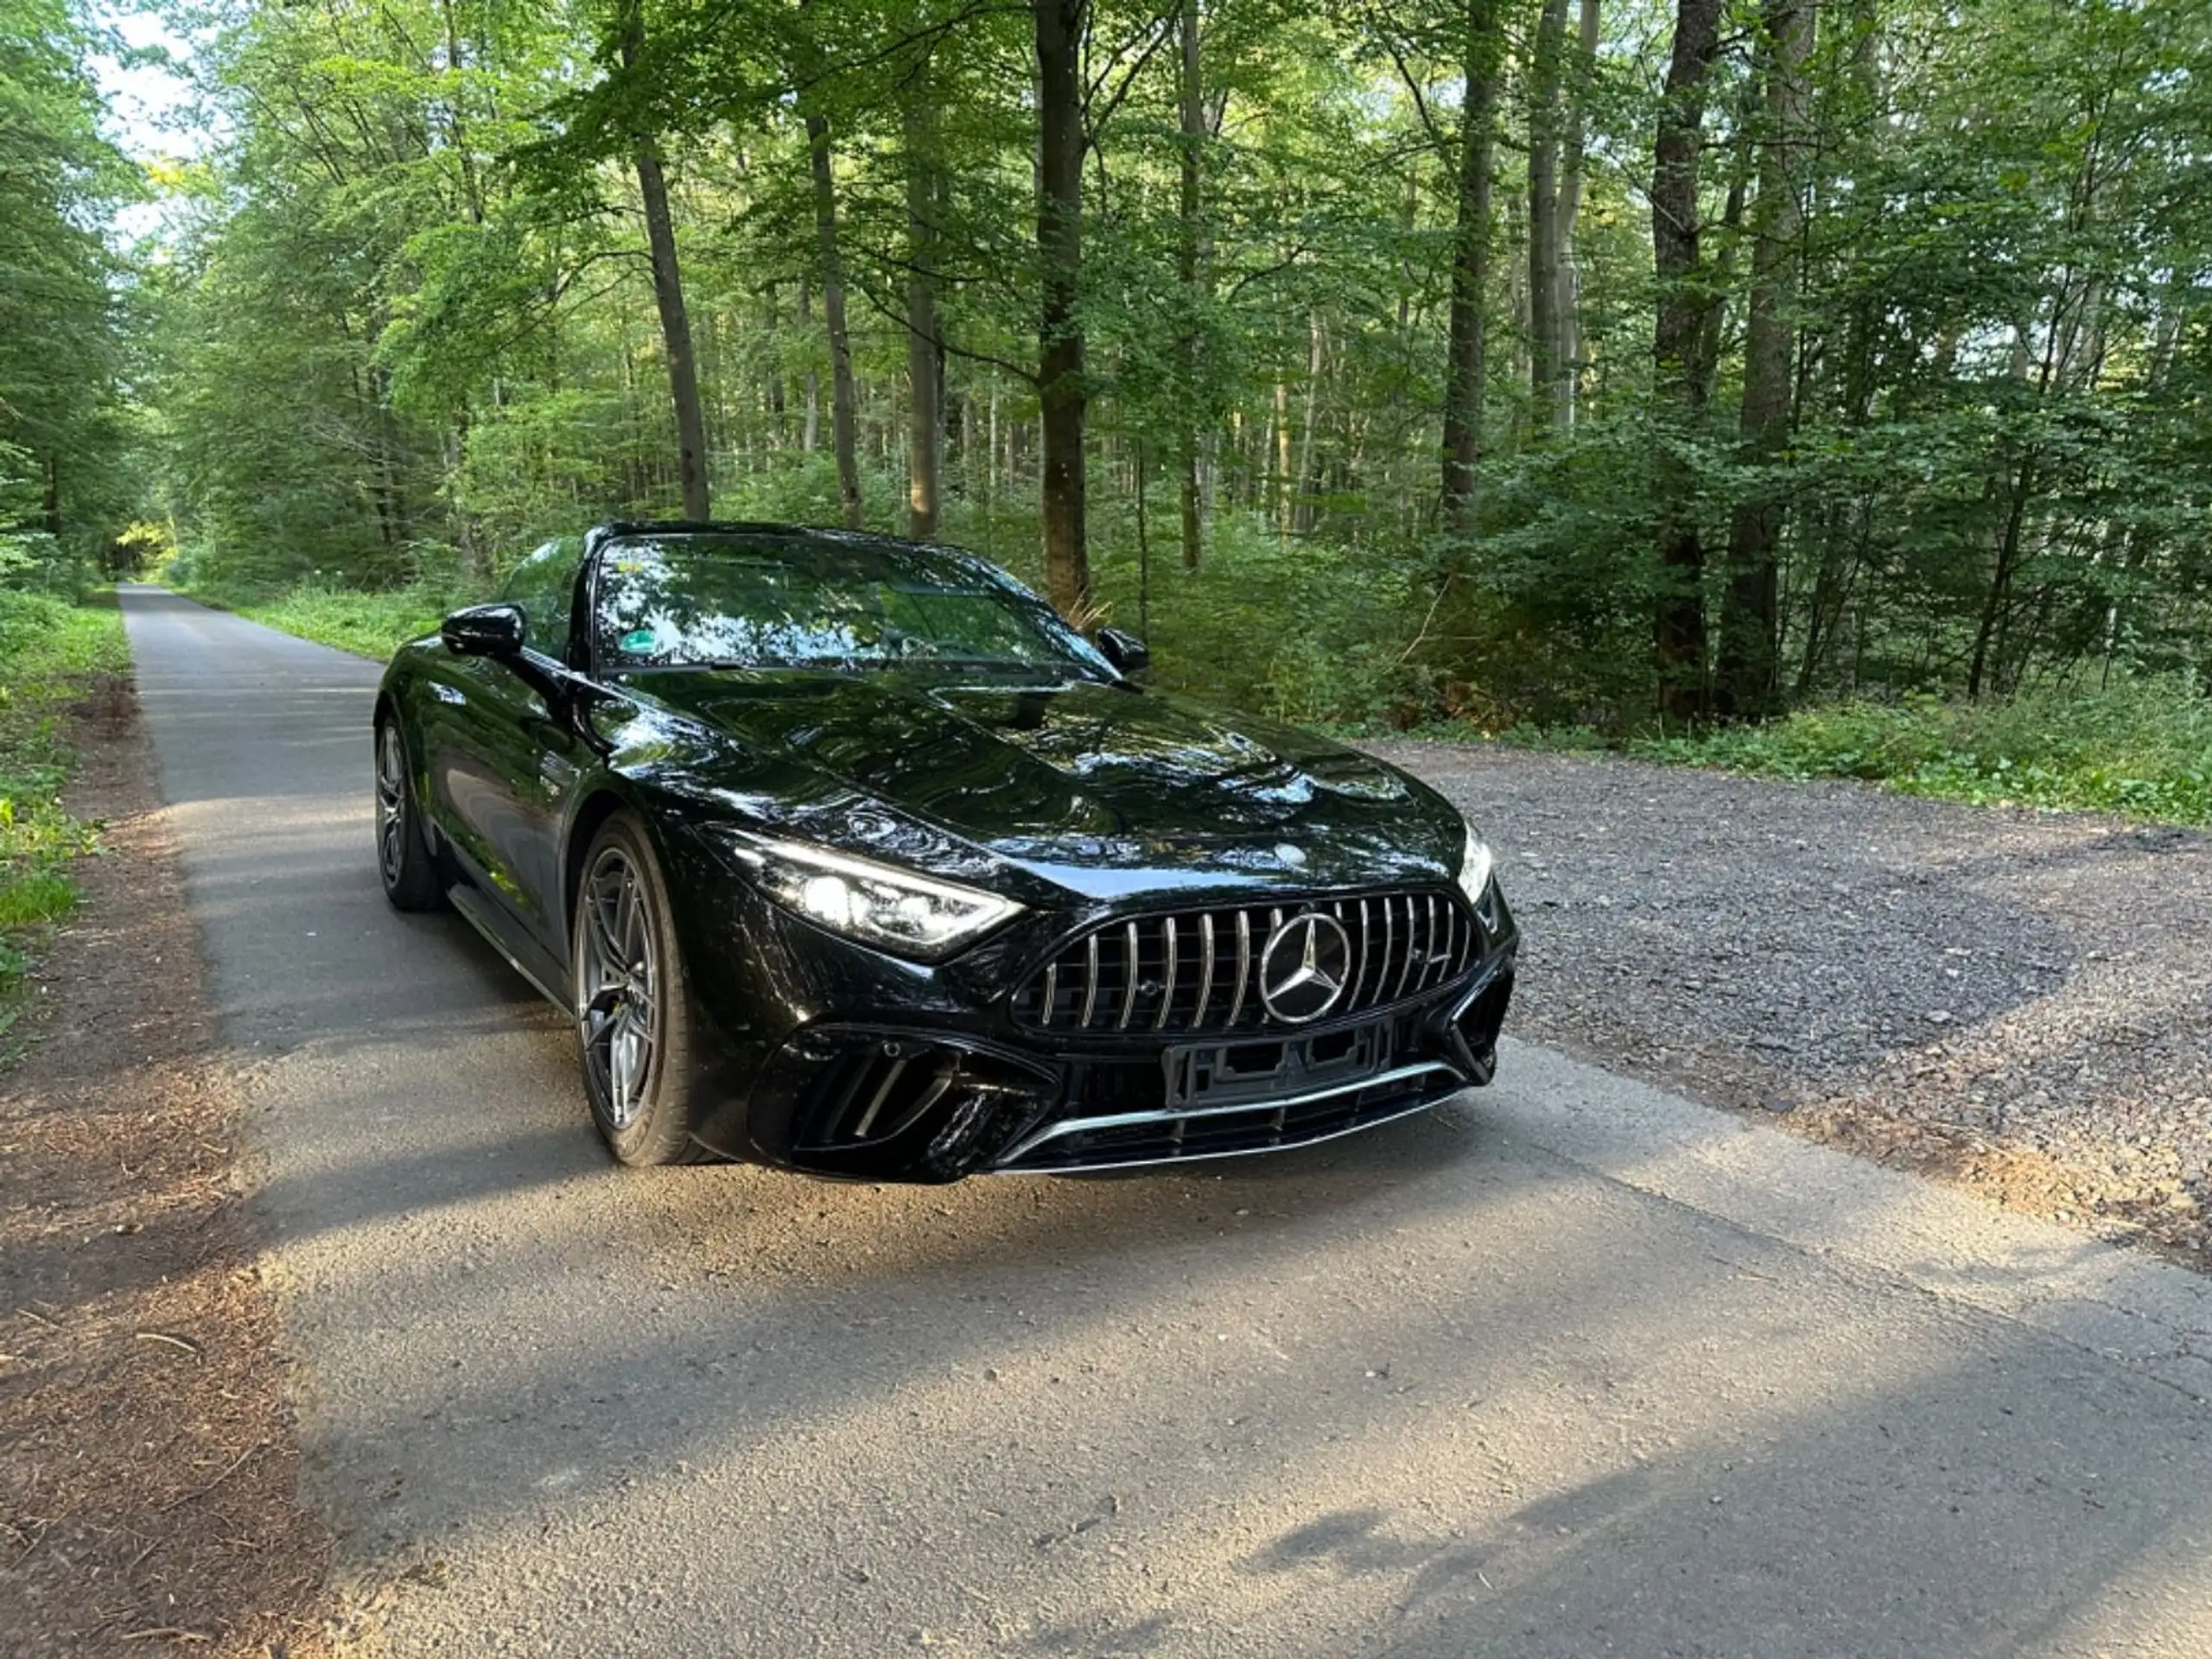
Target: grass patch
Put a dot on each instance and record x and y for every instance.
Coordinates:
(2144, 749)
(368, 624)
(49, 651)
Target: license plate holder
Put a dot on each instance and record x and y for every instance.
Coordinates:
(1224, 1073)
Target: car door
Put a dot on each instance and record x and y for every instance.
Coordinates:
(507, 757)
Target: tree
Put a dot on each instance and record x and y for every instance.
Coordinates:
(843, 412)
(1567, 306)
(1061, 393)
(1746, 670)
(1191, 263)
(1547, 345)
(924, 388)
(1682, 343)
(1483, 50)
(667, 293)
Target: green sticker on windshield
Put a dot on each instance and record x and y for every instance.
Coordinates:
(638, 641)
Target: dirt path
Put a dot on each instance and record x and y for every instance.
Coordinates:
(147, 1469)
(2021, 1002)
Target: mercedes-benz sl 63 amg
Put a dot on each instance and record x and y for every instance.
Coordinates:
(848, 855)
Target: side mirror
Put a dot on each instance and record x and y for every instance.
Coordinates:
(484, 631)
(1129, 654)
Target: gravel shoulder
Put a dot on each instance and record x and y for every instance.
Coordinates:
(2017, 1002)
(149, 1484)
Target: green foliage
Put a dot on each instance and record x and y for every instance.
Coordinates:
(368, 624)
(48, 651)
(63, 431)
(2143, 747)
(404, 327)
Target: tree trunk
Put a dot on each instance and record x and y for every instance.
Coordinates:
(809, 431)
(1062, 395)
(1463, 366)
(1568, 304)
(668, 295)
(1192, 270)
(924, 374)
(1680, 341)
(1751, 619)
(1308, 485)
(1999, 596)
(842, 416)
(1544, 355)
(776, 407)
(1280, 491)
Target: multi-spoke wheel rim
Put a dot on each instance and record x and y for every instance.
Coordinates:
(618, 1009)
(391, 804)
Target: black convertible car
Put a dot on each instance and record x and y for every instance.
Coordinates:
(847, 854)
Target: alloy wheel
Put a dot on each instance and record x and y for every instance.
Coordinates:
(391, 804)
(617, 1001)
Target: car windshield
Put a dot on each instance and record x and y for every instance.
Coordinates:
(703, 602)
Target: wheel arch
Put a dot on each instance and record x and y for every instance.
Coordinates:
(596, 808)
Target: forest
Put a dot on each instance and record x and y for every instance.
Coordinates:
(1601, 366)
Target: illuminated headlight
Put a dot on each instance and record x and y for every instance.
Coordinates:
(879, 905)
(1476, 867)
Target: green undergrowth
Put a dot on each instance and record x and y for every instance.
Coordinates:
(50, 650)
(2144, 749)
(368, 624)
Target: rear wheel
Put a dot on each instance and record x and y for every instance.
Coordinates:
(632, 1011)
(411, 874)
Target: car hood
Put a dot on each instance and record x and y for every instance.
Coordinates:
(1100, 787)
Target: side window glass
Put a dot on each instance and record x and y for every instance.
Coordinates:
(544, 587)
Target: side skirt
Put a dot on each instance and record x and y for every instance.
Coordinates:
(476, 912)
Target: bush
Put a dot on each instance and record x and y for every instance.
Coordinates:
(2142, 748)
(48, 648)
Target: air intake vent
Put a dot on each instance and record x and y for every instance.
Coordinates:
(879, 1090)
(1199, 971)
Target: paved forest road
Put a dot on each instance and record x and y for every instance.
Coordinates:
(1572, 1368)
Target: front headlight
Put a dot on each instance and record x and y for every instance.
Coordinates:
(879, 905)
(1476, 866)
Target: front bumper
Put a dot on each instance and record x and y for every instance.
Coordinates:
(901, 1095)
(825, 1057)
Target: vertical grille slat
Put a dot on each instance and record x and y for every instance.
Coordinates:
(1167, 989)
(1203, 966)
(1129, 976)
(1206, 970)
(1244, 964)
(1359, 974)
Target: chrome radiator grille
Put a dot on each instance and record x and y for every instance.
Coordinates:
(1198, 971)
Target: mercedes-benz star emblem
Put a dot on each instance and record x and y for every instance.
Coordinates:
(1303, 970)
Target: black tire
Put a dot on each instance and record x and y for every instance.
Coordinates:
(632, 1001)
(411, 875)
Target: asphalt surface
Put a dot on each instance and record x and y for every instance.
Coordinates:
(1573, 1367)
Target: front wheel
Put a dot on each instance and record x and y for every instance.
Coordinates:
(632, 1013)
(411, 874)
